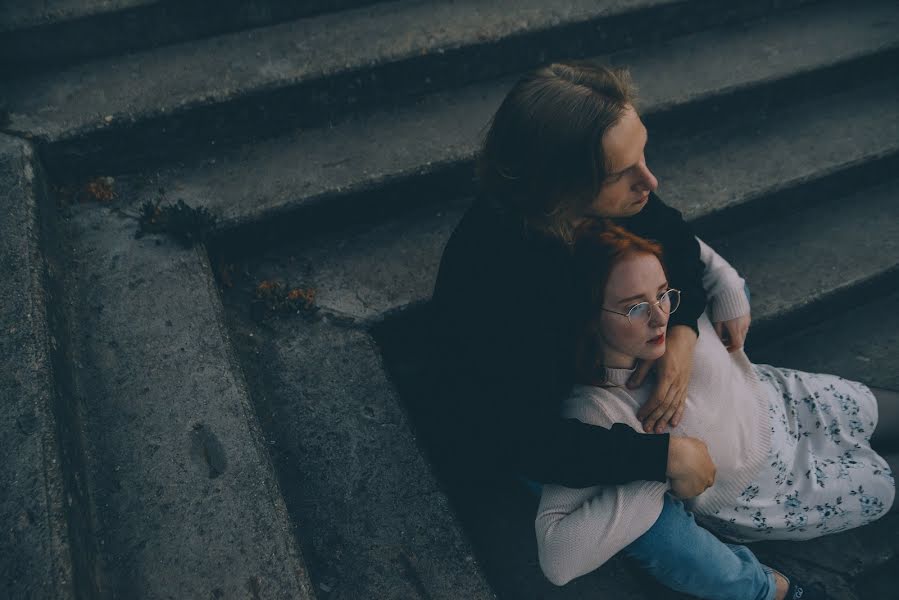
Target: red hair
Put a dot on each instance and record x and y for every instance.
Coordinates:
(599, 245)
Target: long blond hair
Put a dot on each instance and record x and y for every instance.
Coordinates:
(542, 157)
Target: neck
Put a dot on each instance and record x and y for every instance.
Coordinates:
(615, 360)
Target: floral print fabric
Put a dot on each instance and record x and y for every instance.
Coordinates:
(822, 475)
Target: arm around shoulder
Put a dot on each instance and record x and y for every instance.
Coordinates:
(578, 530)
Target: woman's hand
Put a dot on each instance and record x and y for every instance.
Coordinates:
(733, 333)
(666, 403)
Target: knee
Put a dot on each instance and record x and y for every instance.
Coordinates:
(671, 528)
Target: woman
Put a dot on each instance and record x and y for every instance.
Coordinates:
(792, 449)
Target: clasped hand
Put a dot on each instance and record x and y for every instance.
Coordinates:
(733, 332)
(666, 404)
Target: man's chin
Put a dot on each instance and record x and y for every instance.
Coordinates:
(640, 204)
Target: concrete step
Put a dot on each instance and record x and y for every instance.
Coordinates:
(822, 259)
(862, 343)
(40, 506)
(721, 180)
(122, 112)
(374, 523)
(42, 35)
(184, 499)
(392, 158)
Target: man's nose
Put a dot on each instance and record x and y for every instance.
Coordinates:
(647, 180)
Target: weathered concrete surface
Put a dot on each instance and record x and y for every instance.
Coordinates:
(217, 69)
(731, 165)
(39, 35)
(860, 344)
(312, 71)
(266, 182)
(24, 15)
(35, 549)
(365, 273)
(373, 521)
(185, 500)
(369, 272)
(836, 252)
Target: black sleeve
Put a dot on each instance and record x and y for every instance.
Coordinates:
(574, 454)
(666, 225)
(506, 334)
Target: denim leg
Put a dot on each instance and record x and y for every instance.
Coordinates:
(682, 555)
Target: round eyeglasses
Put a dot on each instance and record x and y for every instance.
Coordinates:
(667, 301)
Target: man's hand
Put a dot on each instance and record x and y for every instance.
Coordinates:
(690, 468)
(666, 403)
(733, 332)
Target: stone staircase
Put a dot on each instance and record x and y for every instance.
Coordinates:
(170, 435)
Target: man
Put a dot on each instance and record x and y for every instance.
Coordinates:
(567, 145)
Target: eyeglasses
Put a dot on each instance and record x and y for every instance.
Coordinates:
(667, 302)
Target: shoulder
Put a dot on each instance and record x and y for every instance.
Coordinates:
(657, 221)
(481, 248)
(713, 365)
(603, 406)
(657, 208)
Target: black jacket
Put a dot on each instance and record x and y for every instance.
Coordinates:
(506, 334)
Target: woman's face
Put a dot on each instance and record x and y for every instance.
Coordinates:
(637, 277)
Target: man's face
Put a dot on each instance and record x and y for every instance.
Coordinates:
(626, 188)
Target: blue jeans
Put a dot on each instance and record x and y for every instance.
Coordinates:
(682, 555)
(685, 557)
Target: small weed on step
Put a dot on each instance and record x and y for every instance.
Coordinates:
(185, 224)
(275, 298)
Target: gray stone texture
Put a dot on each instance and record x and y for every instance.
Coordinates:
(214, 70)
(309, 72)
(372, 519)
(365, 273)
(35, 542)
(183, 493)
(42, 35)
(817, 254)
(381, 150)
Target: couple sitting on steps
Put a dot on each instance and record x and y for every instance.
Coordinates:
(582, 321)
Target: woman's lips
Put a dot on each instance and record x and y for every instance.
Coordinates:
(658, 340)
